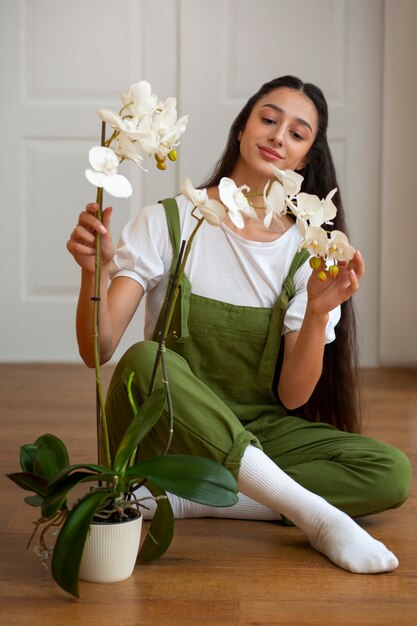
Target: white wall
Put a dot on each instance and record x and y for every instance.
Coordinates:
(398, 252)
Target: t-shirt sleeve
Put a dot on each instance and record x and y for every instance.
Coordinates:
(144, 251)
(297, 306)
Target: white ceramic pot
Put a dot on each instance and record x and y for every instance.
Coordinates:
(110, 551)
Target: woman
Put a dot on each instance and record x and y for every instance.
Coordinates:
(232, 401)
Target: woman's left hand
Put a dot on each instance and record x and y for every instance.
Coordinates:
(323, 296)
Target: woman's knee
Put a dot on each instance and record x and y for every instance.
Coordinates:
(140, 356)
(395, 479)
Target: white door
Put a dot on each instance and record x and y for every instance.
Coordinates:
(61, 61)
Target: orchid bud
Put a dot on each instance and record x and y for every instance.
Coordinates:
(334, 271)
(161, 165)
(322, 276)
(315, 262)
(172, 155)
(159, 159)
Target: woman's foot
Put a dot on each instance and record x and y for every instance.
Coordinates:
(349, 546)
(330, 531)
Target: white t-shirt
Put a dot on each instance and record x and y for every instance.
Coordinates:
(222, 265)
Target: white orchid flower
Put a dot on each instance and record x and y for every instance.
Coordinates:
(168, 127)
(339, 247)
(170, 103)
(236, 202)
(112, 118)
(154, 126)
(140, 100)
(126, 125)
(291, 181)
(310, 208)
(104, 163)
(125, 149)
(274, 201)
(151, 139)
(165, 116)
(315, 241)
(172, 138)
(148, 136)
(212, 210)
(197, 197)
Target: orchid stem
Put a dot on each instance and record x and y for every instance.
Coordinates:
(115, 134)
(169, 400)
(103, 448)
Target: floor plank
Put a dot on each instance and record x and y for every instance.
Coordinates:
(216, 571)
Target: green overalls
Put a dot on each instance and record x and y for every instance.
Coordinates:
(221, 369)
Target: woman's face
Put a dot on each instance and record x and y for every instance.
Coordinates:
(280, 130)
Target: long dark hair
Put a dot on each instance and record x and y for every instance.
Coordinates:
(336, 398)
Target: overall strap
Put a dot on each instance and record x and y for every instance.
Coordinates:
(299, 259)
(179, 323)
(173, 220)
(266, 371)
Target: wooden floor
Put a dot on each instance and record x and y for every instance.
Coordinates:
(217, 571)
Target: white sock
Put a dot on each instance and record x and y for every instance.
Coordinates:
(329, 530)
(184, 509)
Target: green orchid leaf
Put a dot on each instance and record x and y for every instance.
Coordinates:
(161, 529)
(91, 467)
(148, 414)
(58, 491)
(105, 477)
(34, 500)
(62, 483)
(29, 482)
(68, 550)
(51, 456)
(192, 477)
(27, 456)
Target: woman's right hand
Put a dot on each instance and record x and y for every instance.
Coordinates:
(82, 243)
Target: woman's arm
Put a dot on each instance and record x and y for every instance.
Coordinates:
(118, 302)
(117, 306)
(303, 350)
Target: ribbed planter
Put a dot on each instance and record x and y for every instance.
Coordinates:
(110, 551)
